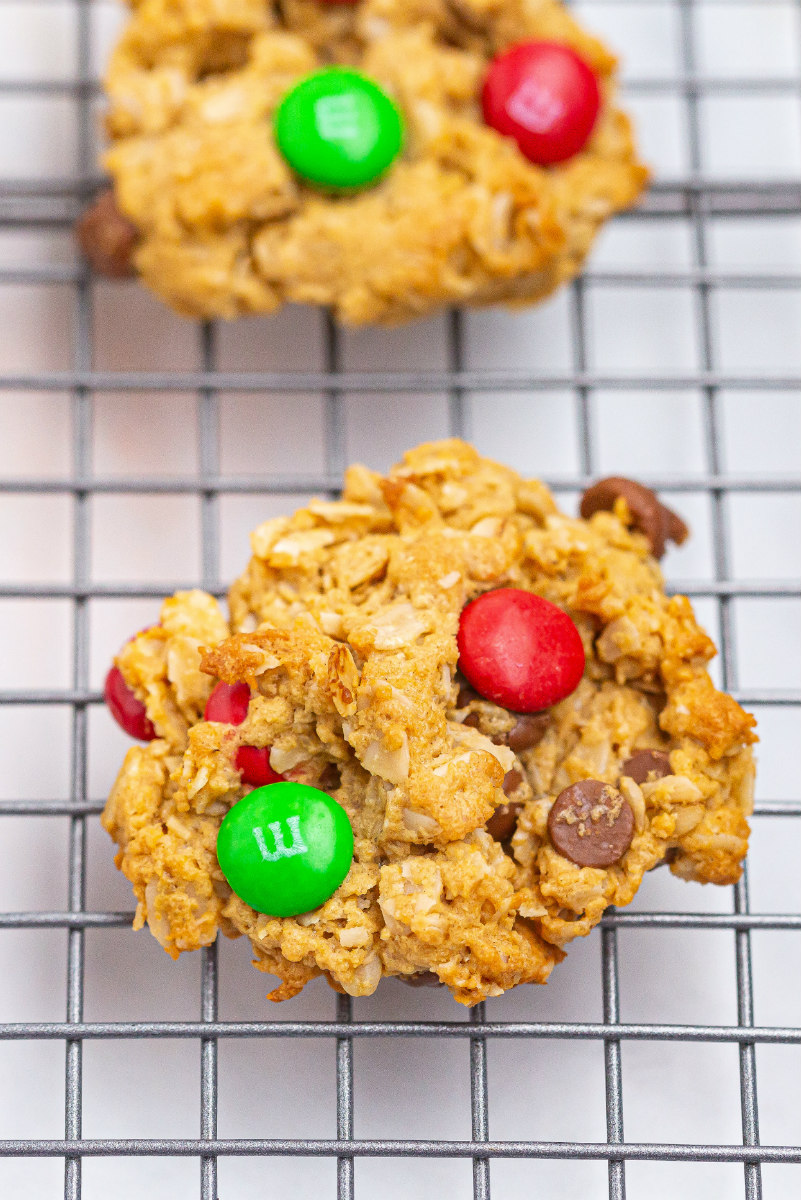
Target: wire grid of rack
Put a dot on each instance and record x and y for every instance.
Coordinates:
(695, 199)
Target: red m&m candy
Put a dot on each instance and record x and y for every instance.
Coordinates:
(228, 703)
(129, 712)
(545, 97)
(254, 764)
(519, 650)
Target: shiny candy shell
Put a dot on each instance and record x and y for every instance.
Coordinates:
(285, 848)
(519, 650)
(253, 764)
(128, 711)
(545, 97)
(229, 703)
(338, 129)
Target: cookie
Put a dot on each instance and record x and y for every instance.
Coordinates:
(484, 840)
(225, 226)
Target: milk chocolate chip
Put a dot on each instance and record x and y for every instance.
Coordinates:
(645, 763)
(421, 979)
(107, 238)
(591, 824)
(466, 694)
(503, 821)
(511, 781)
(529, 729)
(659, 523)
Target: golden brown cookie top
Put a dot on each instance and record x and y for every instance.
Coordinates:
(224, 225)
(474, 826)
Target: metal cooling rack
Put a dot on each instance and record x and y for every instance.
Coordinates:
(52, 203)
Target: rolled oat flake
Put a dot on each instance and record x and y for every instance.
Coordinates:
(591, 824)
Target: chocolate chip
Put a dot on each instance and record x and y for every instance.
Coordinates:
(645, 763)
(511, 781)
(107, 237)
(659, 523)
(591, 824)
(676, 530)
(421, 979)
(503, 821)
(528, 730)
(465, 695)
(472, 719)
(670, 856)
(567, 914)
(330, 779)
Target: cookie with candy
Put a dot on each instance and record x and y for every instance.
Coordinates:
(440, 729)
(380, 158)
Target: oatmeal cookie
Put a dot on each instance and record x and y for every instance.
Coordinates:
(484, 840)
(223, 225)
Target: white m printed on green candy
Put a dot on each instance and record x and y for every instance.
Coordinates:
(296, 846)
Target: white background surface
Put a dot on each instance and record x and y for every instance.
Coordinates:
(403, 1088)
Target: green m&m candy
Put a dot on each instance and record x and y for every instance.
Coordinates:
(285, 848)
(338, 129)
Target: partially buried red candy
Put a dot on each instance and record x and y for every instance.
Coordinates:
(129, 712)
(519, 650)
(229, 703)
(545, 97)
(515, 648)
